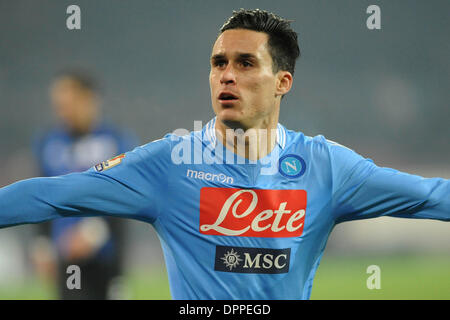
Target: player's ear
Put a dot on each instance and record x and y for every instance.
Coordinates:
(284, 82)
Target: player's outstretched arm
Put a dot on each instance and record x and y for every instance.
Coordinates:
(364, 190)
(130, 189)
(40, 199)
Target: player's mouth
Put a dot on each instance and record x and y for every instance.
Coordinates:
(227, 98)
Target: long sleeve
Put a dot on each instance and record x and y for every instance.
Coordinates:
(130, 189)
(363, 190)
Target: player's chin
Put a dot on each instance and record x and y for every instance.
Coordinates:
(229, 113)
(233, 122)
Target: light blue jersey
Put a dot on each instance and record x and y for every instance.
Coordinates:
(233, 230)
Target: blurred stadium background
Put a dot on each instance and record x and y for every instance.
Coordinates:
(384, 93)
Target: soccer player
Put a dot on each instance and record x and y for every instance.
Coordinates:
(81, 139)
(243, 207)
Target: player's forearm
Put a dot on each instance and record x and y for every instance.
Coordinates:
(77, 194)
(41, 199)
(433, 198)
(388, 192)
(25, 202)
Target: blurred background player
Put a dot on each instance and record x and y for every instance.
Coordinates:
(81, 139)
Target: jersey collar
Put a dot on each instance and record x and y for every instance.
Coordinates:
(210, 133)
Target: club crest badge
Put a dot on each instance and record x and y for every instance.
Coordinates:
(292, 166)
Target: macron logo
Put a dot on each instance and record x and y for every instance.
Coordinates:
(208, 176)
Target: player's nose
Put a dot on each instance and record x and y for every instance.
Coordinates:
(228, 75)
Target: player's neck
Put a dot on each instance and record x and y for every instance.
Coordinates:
(252, 143)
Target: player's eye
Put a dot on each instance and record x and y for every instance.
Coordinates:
(245, 63)
(219, 63)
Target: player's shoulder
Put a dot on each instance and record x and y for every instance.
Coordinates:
(318, 142)
(155, 147)
(319, 147)
(165, 144)
(147, 155)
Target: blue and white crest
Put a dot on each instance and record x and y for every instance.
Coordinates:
(292, 166)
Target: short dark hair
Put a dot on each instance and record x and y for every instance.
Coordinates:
(83, 79)
(282, 42)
